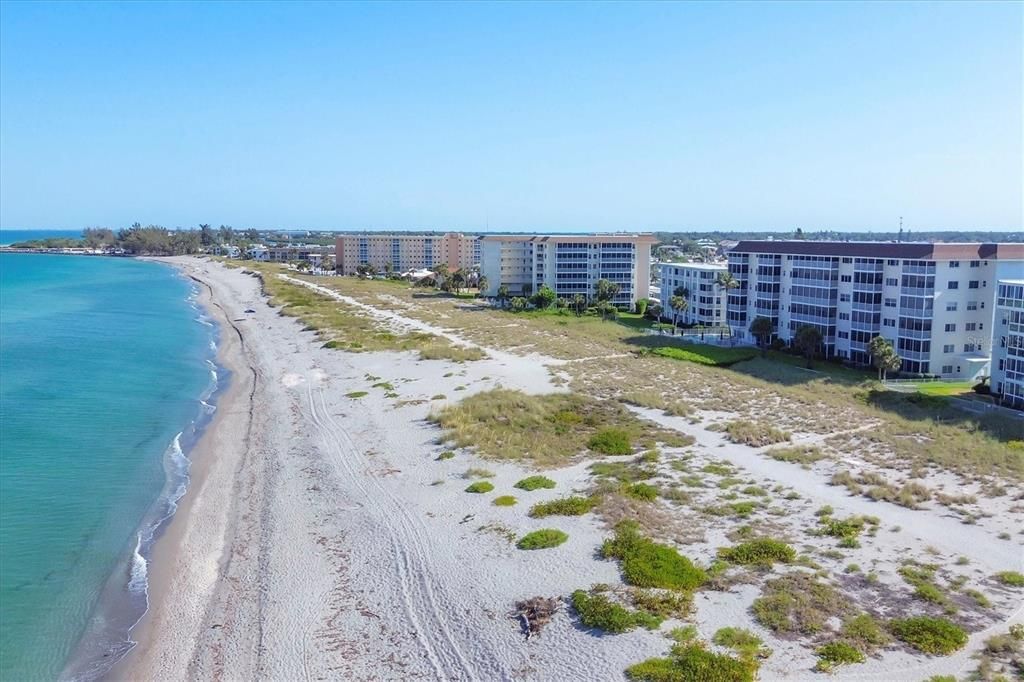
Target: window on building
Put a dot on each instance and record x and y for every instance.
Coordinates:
(971, 326)
(954, 263)
(973, 284)
(892, 281)
(947, 369)
(843, 335)
(971, 305)
(951, 327)
(975, 263)
(845, 278)
(949, 348)
(845, 298)
(953, 284)
(889, 322)
(890, 303)
(950, 306)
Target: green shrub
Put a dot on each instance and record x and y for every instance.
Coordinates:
(693, 663)
(929, 635)
(649, 564)
(706, 355)
(356, 394)
(542, 539)
(664, 603)
(568, 506)
(504, 501)
(798, 603)
(835, 654)
(535, 483)
(480, 487)
(864, 632)
(744, 642)
(610, 442)
(475, 472)
(598, 611)
(761, 552)
(1011, 578)
(640, 491)
(627, 472)
(754, 434)
(447, 454)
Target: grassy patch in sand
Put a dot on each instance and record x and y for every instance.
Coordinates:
(743, 642)
(546, 429)
(344, 326)
(444, 351)
(542, 539)
(596, 610)
(936, 636)
(693, 662)
(835, 654)
(480, 487)
(568, 506)
(504, 501)
(804, 455)
(754, 434)
(760, 552)
(646, 563)
(535, 483)
(798, 603)
(356, 394)
(1010, 578)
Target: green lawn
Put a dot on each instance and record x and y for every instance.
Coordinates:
(706, 354)
(943, 388)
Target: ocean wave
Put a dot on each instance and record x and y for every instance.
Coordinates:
(138, 582)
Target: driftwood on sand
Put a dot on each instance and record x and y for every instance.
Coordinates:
(534, 613)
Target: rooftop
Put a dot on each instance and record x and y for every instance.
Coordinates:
(906, 250)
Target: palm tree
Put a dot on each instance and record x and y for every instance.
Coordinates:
(441, 272)
(727, 281)
(481, 284)
(883, 356)
(503, 295)
(579, 304)
(606, 290)
(458, 280)
(681, 291)
(678, 304)
(807, 339)
(762, 328)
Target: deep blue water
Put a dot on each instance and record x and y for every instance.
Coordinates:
(103, 362)
(12, 236)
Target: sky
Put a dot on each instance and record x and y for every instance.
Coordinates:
(554, 116)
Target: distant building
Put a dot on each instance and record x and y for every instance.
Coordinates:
(568, 264)
(1008, 343)
(285, 254)
(933, 302)
(706, 302)
(403, 252)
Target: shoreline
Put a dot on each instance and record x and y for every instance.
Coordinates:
(233, 401)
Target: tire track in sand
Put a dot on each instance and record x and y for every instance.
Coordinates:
(419, 599)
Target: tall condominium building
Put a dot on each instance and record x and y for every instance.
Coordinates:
(934, 302)
(1008, 343)
(569, 264)
(405, 251)
(706, 302)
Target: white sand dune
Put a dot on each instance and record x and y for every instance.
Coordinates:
(316, 543)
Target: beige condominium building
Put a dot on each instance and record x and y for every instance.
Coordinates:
(568, 264)
(933, 302)
(404, 251)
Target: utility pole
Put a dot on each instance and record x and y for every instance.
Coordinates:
(900, 238)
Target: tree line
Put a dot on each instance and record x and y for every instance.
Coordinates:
(149, 240)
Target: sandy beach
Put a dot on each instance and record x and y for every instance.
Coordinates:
(321, 539)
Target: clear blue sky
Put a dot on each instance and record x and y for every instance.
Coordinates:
(553, 116)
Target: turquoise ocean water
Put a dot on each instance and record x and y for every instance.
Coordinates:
(103, 363)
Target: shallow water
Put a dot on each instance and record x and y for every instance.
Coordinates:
(103, 362)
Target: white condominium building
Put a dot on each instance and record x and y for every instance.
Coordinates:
(933, 302)
(1008, 343)
(706, 301)
(568, 264)
(404, 251)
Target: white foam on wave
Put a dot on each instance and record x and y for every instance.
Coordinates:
(210, 409)
(138, 583)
